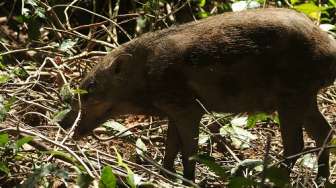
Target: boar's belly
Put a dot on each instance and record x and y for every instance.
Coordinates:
(242, 96)
(242, 101)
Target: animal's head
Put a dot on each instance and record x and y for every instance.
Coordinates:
(110, 88)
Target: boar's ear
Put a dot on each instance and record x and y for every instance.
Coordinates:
(121, 63)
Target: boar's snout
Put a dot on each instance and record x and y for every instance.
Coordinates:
(92, 115)
(69, 120)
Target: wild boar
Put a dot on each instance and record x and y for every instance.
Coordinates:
(257, 60)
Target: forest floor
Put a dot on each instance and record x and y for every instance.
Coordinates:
(39, 152)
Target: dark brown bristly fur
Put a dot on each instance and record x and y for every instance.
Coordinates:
(249, 61)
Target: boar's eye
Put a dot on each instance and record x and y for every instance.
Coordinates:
(91, 86)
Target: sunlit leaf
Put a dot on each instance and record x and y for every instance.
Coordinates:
(308, 160)
(79, 91)
(130, 175)
(60, 115)
(310, 9)
(254, 118)
(31, 2)
(40, 12)
(201, 3)
(44, 170)
(333, 2)
(19, 143)
(203, 138)
(243, 5)
(121, 129)
(293, 2)
(240, 137)
(327, 27)
(66, 92)
(141, 147)
(239, 121)
(63, 155)
(202, 13)
(4, 139)
(255, 164)
(67, 44)
(4, 78)
(5, 106)
(107, 178)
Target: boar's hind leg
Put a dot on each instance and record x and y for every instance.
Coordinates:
(172, 147)
(318, 128)
(291, 121)
(187, 125)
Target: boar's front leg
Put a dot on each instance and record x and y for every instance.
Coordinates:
(319, 129)
(291, 115)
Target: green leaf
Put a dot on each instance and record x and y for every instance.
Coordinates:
(203, 138)
(9, 103)
(4, 78)
(240, 137)
(121, 129)
(142, 22)
(141, 147)
(60, 115)
(254, 118)
(239, 121)
(31, 2)
(4, 168)
(327, 27)
(241, 182)
(40, 173)
(255, 164)
(130, 177)
(66, 93)
(310, 9)
(40, 12)
(2, 66)
(79, 91)
(210, 162)
(293, 2)
(67, 44)
(333, 3)
(244, 5)
(202, 13)
(308, 161)
(4, 139)
(201, 3)
(19, 143)
(5, 106)
(107, 178)
(130, 174)
(20, 72)
(62, 154)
